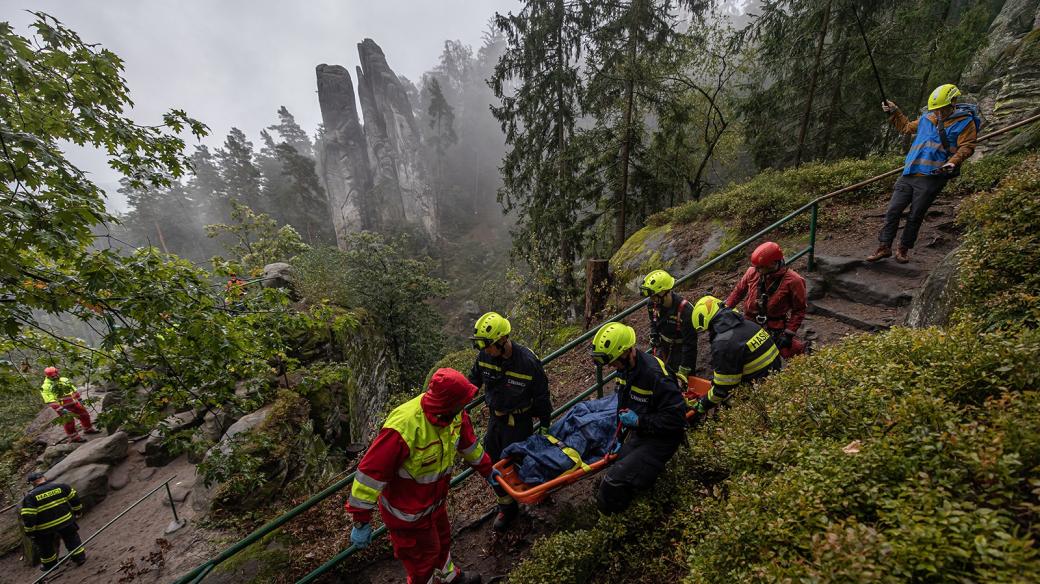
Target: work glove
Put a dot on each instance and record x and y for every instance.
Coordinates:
(616, 448)
(63, 412)
(655, 339)
(948, 168)
(889, 107)
(699, 414)
(491, 478)
(785, 340)
(543, 429)
(495, 486)
(629, 419)
(361, 535)
(681, 377)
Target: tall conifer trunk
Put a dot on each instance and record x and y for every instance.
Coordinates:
(812, 84)
(626, 143)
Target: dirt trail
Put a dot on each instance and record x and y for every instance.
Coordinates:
(135, 548)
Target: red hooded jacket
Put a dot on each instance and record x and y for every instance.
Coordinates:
(787, 298)
(381, 467)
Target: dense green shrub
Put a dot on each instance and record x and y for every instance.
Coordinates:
(999, 263)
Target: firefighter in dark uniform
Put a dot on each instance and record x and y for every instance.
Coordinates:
(672, 337)
(51, 509)
(516, 391)
(650, 408)
(741, 351)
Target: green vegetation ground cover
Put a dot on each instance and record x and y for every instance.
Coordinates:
(908, 455)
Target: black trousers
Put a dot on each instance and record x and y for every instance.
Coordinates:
(917, 192)
(47, 544)
(499, 435)
(640, 462)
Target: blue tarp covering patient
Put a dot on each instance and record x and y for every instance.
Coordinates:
(588, 428)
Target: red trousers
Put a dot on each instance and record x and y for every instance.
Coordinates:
(71, 403)
(424, 547)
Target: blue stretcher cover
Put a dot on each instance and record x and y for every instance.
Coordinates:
(586, 431)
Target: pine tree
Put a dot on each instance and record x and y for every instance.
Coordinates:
(539, 87)
(291, 133)
(238, 173)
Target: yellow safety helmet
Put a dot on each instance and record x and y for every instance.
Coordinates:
(943, 96)
(489, 329)
(656, 282)
(703, 311)
(611, 340)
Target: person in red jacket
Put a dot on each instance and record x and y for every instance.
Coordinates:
(773, 296)
(406, 473)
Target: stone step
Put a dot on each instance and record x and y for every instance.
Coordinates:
(860, 316)
(866, 288)
(834, 265)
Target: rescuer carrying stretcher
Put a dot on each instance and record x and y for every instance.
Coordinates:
(406, 473)
(741, 351)
(516, 391)
(650, 408)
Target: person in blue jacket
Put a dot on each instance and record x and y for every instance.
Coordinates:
(943, 139)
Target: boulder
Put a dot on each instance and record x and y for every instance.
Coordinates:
(89, 480)
(934, 304)
(246, 424)
(214, 424)
(277, 275)
(155, 450)
(106, 451)
(10, 531)
(119, 477)
(54, 454)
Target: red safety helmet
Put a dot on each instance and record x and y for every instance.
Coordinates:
(51, 372)
(766, 255)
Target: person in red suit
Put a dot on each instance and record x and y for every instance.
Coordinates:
(773, 295)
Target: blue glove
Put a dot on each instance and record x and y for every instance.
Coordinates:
(629, 419)
(616, 448)
(491, 478)
(361, 535)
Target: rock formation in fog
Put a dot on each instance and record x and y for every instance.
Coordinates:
(373, 173)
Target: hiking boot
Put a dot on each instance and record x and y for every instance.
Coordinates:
(883, 251)
(902, 254)
(505, 517)
(92, 431)
(77, 439)
(79, 560)
(464, 578)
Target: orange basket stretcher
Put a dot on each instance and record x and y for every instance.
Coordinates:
(521, 492)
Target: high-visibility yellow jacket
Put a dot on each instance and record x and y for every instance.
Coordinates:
(52, 391)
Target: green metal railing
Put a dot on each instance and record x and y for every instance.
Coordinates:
(812, 207)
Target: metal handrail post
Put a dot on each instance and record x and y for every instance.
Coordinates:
(98, 532)
(599, 380)
(812, 236)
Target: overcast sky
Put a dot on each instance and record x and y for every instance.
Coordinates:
(234, 62)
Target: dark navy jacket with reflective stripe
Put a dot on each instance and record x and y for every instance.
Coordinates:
(740, 350)
(515, 384)
(652, 393)
(49, 507)
(678, 337)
